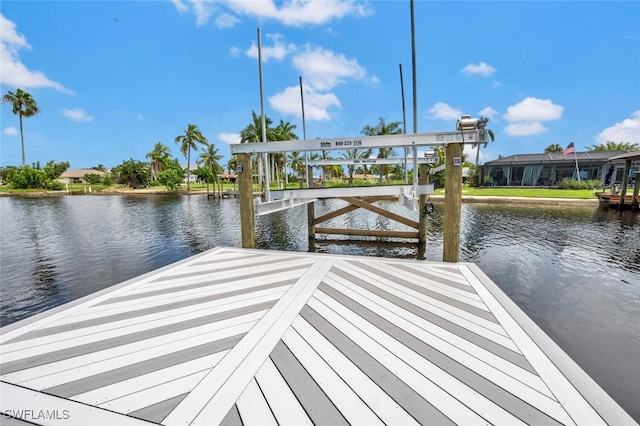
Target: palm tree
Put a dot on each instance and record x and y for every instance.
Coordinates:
(482, 122)
(382, 128)
(283, 132)
(159, 157)
(253, 131)
(188, 141)
(354, 154)
(613, 146)
(554, 147)
(23, 106)
(210, 158)
(295, 161)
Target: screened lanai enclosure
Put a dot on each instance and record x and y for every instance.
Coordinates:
(549, 169)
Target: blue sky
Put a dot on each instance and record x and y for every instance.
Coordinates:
(112, 78)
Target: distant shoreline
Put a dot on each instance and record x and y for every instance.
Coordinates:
(487, 199)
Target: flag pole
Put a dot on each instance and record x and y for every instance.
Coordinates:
(575, 156)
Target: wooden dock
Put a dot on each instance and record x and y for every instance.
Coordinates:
(242, 337)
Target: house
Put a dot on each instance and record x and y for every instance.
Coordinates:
(77, 175)
(548, 169)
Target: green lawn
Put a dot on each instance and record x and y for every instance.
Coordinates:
(524, 192)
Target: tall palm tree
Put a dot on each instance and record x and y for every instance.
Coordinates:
(554, 147)
(159, 157)
(613, 146)
(210, 158)
(253, 131)
(23, 106)
(382, 128)
(188, 141)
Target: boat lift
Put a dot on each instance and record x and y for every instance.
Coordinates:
(408, 194)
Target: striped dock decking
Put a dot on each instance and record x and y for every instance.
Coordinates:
(249, 337)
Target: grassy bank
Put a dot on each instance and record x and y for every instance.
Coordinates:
(466, 190)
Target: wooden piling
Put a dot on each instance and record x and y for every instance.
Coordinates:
(625, 180)
(423, 178)
(311, 216)
(452, 203)
(245, 189)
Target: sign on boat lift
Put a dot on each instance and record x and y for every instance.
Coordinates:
(407, 194)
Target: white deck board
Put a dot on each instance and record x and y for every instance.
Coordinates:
(148, 381)
(384, 406)
(577, 407)
(482, 361)
(345, 399)
(253, 408)
(24, 348)
(75, 368)
(264, 337)
(407, 364)
(281, 399)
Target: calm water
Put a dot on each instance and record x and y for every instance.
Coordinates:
(574, 271)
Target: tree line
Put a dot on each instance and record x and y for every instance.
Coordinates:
(166, 170)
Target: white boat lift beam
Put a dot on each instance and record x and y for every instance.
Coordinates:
(370, 161)
(285, 199)
(359, 142)
(353, 191)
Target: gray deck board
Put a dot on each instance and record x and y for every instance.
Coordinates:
(234, 336)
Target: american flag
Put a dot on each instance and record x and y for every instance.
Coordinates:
(568, 150)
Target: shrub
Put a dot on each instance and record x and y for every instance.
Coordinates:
(570, 183)
(92, 178)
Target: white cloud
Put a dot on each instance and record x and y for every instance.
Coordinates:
(13, 72)
(496, 84)
(325, 69)
(230, 138)
(490, 113)
(10, 131)
(525, 128)
(300, 13)
(291, 13)
(277, 51)
(180, 5)
(224, 20)
(482, 69)
(534, 109)
(321, 71)
(443, 111)
(235, 51)
(77, 114)
(527, 116)
(316, 104)
(628, 130)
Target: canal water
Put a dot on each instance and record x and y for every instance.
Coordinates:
(575, 271)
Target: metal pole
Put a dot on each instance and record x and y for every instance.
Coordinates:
(304, 136)
(267, 194)
(404, 126)
(415, 84)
